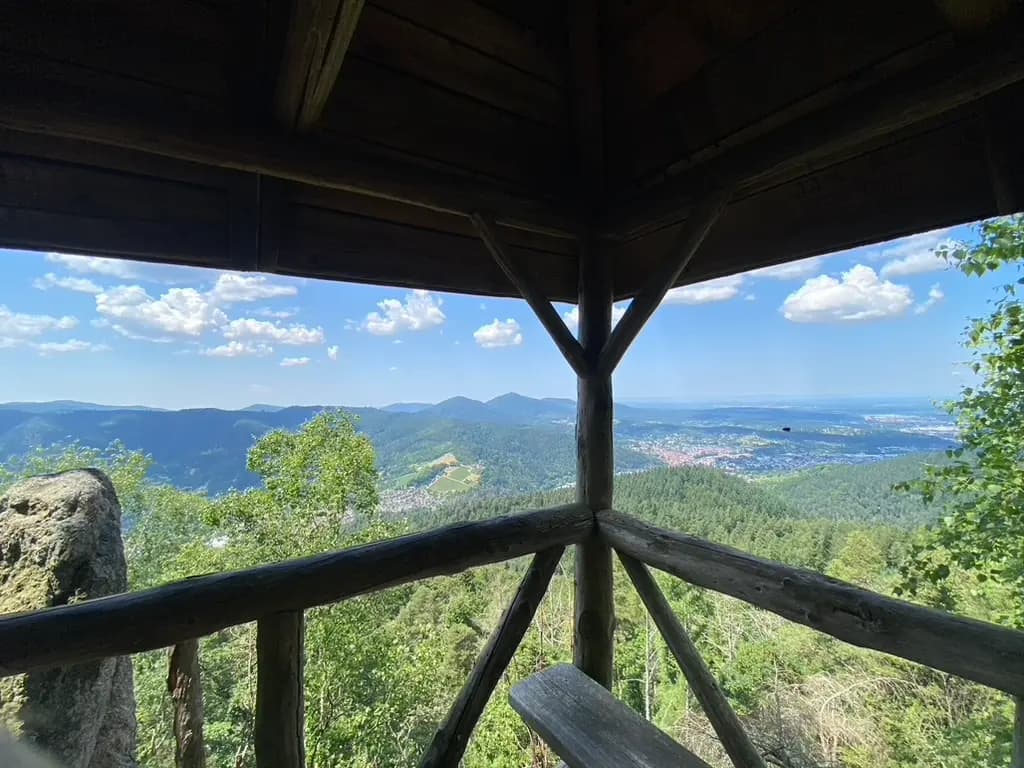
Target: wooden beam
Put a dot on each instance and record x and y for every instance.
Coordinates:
(593, 646)
(317, 40)
(589, 728)
(682, 250)
(976, 650)
(538, 302)
(60, 101)
(278, 733)
(705, 688)
(184, 684)
(822, 138)
(163, 616)
(1017, 761)
(450, 742)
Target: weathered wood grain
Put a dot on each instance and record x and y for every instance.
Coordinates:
(975, 650)
(533, 294)
(488, 30)
(449, 744)
(1017, 761)
(588, 728)
(388, 108)
(60, 100)
(703, 684)
(398, 42)
(185, 686)
(318, 37)
(316, 240)
(818, 53)
(278, 731)
(593, 636)
(162, 616)
(933, 88)
(663, 277)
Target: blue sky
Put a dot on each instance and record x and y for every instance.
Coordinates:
(879, 320)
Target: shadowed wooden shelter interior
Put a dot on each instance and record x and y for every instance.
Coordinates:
(558, 150)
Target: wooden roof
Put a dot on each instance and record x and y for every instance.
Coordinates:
(352, 140)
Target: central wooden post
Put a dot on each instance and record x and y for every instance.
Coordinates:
(595, 614)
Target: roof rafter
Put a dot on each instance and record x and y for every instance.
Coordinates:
(319, 33)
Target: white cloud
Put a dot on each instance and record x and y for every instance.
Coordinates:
(393, 368)
(794, 270)
(500, 333)
(935, 295)
(294, 362)
(858, 295)
(16, 328)
(720, 289)
(913, 255)
(276, 314)
(238, 349)
(94, 265)
(48, 348)
(750, 297)
(178, 312)
(77, 284)
(420, 312)
(917, 263)
(904, 246)
(246, 328)
(332, 353)
(232, 288)
(572, 316)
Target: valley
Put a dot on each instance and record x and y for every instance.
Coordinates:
(510, 444)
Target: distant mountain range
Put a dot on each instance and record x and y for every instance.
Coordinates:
(523, 443)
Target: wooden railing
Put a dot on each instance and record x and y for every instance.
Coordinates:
(275, 596)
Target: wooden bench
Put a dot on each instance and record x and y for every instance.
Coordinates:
(589, 728)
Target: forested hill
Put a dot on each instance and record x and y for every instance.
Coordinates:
(773, 520)
(861, 492)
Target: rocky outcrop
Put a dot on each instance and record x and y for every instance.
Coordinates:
(60, 542)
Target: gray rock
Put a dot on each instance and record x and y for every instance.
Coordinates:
(60, 542)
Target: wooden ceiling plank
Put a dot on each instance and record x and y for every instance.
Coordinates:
(490, 32)
(928, 91)
(57, 101)
(587, 78)
(318, 37)
(817, 46)
(393, 41)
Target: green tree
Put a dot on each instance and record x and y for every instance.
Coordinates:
(982, 486)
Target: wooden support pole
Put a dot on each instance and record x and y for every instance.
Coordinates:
(186, 689)
(318, 37)
(280, 693)
(538, 302)
(682, 250)
(163, 616)
(595, 468)
(975, 650)
(450, 742)
(1018, 733)
(703, 684)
